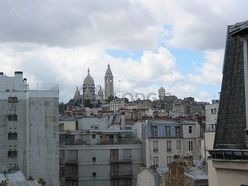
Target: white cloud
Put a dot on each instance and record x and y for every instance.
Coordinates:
(210, 72)
(68, 67)
(54, 42)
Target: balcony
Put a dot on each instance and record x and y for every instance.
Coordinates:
(71, 162)
(117, 174)
(121, 161)
(71, 177)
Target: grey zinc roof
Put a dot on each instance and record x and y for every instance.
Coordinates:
(17, 179)
(239, 28)
(230, 133)
(2, 177)
(196, 173)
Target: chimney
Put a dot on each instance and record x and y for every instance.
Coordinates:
(41, 182)
(123, 121)
(76, 124)
(19, 75)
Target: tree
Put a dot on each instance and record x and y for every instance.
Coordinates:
(110, 98)
(87, 103)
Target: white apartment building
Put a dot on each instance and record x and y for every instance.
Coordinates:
(28, 126)
(211, 115)
(165, 141)
(211, 121)
(99, 156)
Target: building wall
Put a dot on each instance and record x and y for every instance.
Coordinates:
(184, 142)
(95, 159)
(211, 116)
(43, 139)
(34, 124)
(229, 173)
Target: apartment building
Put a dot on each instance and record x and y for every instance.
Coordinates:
(28, 126)
(165, 140)
(97, 156)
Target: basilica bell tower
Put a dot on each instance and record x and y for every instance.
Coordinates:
(109, 83)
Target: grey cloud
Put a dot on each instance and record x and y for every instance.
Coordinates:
(75, 23)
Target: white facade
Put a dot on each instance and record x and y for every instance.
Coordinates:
(100, 153)
(97, 158)
(211, 121)
(211, 116)
(166, 140)
(29, 122)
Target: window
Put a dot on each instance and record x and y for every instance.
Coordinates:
(12, 117)
(93, 136)
(214, 111)
(94, 174)
(178, 132)
(155, 161)
(73, 155)
(12, 154)
(190, 145)
(178, 145)
(114, 154)
(114, 169)
(12, 135)
(190, 129)
(12, 99)
(154, 131)
(127, 155)
(94, 159)
(168, 146)
(169, 160)
(155, 146)
(168, 131)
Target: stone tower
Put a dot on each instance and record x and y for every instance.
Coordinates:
(109, 83)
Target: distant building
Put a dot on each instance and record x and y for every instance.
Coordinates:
(28, 129)
(211, 115)
(164, 140)
(230, 154)
(109, 83)
(100, 95)
(210, 126)
(161, 93)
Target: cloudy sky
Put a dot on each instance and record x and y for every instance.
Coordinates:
(171, 43)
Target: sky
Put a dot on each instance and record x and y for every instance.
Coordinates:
(175, 44)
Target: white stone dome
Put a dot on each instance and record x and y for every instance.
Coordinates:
(77, 93)
(88, 80)
(100, 92)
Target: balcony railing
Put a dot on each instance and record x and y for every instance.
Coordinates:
(116, 160)
(121, 174)
(71, 162)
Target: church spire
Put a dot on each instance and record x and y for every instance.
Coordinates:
(109, 83)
